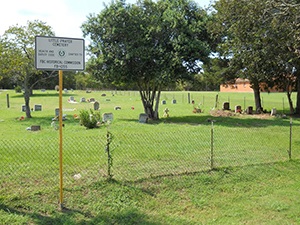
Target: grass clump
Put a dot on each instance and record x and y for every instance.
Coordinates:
(90, 118)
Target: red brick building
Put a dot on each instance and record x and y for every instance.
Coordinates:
(243, 85)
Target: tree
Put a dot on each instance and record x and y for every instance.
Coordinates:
(19, 55)
(258, 42)
(286, 20)
(245, 37)
(148, 45)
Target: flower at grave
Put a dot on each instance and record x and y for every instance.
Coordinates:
(22, 118)
(76, 117)
(77, 176)
(166, 112)
(132, 107)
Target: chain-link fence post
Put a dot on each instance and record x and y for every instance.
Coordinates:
(212, 145)
(290, 144)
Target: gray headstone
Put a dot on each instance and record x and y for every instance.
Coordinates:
(96, 105)
(117, 107)
(163, 102)
(226, 106)
(143, 118)
(38, 107)
(238, 109)
(174, 101)
(23, 108)
(82, 100)
(249, 110)
(57, 112)
(35, 127)
(107, 117)
(92, 100)
(72, 98)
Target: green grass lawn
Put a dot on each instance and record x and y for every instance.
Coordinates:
(161, 170)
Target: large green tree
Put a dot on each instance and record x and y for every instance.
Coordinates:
(18, 53)
(285, 18)
(148, 44)
(245, 40)
(256, 36)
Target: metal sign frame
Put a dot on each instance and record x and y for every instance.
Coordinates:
(59, 53)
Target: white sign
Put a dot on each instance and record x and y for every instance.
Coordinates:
(58, 53)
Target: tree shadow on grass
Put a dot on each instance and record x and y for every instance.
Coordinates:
(45, 94)
(247, 121)
(70, 216)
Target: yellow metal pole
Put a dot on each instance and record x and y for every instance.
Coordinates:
(60, 74)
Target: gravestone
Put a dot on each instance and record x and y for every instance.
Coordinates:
(238, 109)
(92, 100)
(226, 106)
(174, 101)
(72, 99)
(117, 107)
(57, 112)
(38, 107)
(143, 118)
(273, 112)
(43, 90)
(107, 117)
(35, 127)
(23, 108)
(103, 95)
(96, 105)
(163, 102)
(66, 90)
(249, 110)
(57, 115)
(82, 100)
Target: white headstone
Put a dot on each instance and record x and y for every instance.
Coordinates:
(107, 117)
(273, 112)
(143, 118)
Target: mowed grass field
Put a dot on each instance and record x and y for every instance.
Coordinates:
(152, 185)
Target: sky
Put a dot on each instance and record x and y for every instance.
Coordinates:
(64, 16)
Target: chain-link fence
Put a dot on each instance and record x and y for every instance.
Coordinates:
(131, 155)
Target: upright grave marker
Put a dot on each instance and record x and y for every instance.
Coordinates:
(59, 53)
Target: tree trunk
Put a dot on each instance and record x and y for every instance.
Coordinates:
(297, 111)
(257, 98)
(156, 114)
(27, 93)
(289, 91)
(27, 99)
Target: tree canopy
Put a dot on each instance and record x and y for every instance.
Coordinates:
(148, 44)
(18, 51)
(255, 40)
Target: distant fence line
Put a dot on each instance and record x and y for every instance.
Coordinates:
(209, 102)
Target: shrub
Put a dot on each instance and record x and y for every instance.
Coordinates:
(18, 89)
(89, 118)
